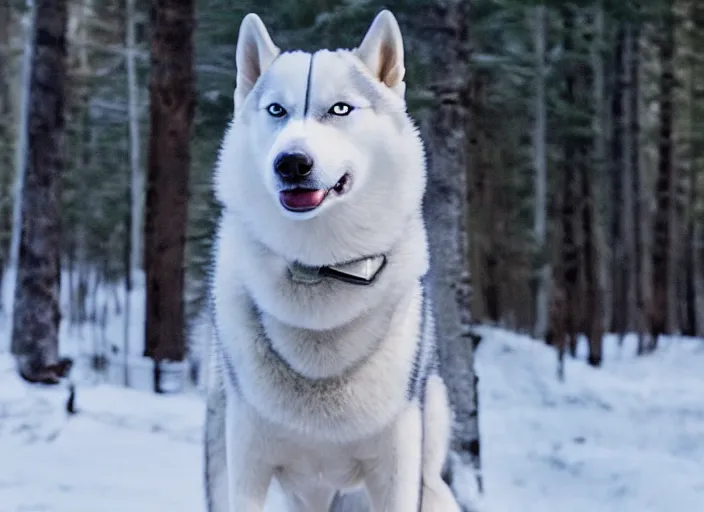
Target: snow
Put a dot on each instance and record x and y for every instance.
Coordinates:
(124, 450)
(628, 437)
(105, 336)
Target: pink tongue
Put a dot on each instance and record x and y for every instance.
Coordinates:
(302, 199)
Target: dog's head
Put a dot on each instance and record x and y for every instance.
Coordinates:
(322, 162)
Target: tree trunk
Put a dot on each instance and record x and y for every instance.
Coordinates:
(688, 173)
(36, 319)
(21, 146)
(136, 192)
(447, 131)
(593, 320)
(592, 154)
(619, 282)
(568, 269)
(663, 225)
(698, 163)
(636, 183)
(481, 226)
(541, 177)
(6, 143)
(172, 103)
(127, 313)
(135, 199)
(689, 325)
(628, 221)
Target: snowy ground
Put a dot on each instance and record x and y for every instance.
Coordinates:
(625, 438)
(124, 451)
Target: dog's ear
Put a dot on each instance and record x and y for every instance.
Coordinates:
(255, 52)
(381, 51)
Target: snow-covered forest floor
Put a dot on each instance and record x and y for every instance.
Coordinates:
(628, 437)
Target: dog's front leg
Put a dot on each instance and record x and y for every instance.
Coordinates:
(437, 426)
(394, 479)
(249, 475)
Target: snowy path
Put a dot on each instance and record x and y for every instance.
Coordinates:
(626, 438)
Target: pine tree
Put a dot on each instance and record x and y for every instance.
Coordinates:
(37, 316)
(568, 268)
(172, 106)
(663, 224)
(446, 128)
(619, 263)
(541, 178)
(6, 145)
(633, 193)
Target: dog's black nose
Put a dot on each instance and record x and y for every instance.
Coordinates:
(293, 166)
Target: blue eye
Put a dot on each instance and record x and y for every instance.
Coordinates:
(340, 109)
(276, 110)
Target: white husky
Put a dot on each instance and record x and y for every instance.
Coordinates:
(323, 366)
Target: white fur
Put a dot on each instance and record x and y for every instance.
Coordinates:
(436, 434)
(316, 376)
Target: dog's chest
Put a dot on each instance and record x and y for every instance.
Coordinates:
(296, 382)
(311, 464)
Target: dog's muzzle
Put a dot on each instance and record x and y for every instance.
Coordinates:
(302, 193)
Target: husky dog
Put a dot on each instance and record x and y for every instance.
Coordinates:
(323, 364)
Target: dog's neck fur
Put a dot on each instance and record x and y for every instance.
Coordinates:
(321, 330)
(329, 353)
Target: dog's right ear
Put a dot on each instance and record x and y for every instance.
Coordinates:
(255, 53)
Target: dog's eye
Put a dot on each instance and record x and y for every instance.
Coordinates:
(340, 109)
(276, 110)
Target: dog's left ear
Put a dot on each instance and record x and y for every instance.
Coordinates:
(381, 51)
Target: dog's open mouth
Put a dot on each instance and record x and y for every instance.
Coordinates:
(301, 199)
